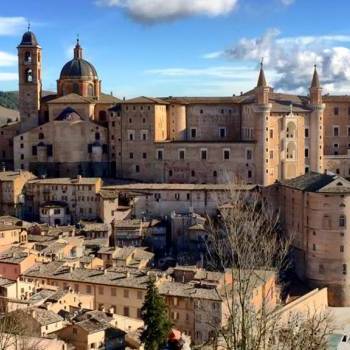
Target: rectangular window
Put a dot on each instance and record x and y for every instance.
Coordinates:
(204, 154)
(144, 135)
(126, 311)
(222, 132)
(144, 155)
(306, 153)
(336, 111)
(335, 131)
(193, 133)
(131, 155)
(34, 150)
(271, 133)
(131, 135)
(271, 154)
(137, 168)
(181, 154)
(344, 269)
(49, 150)
(160, 154)
(306, 132)
(249, 154)
(226, 154)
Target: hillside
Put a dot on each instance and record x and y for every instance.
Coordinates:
(9, 99)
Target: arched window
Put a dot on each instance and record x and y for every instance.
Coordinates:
(41, 136)
(342, 221)
(97, 136)
(103, 116)
(27, 57)
(291, 150)
(28, 75)
(91, 90)
(291, 130)
(76, 88)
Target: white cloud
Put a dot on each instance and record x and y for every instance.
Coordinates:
(12, 25)
(211, 55)
(163, 10)
(7, 59)
(287, 2)
(293, 58)
(8, 76)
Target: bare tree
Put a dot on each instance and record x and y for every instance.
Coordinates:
(16, 333)
(246, 243)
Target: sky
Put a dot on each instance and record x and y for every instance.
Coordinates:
(185, 47)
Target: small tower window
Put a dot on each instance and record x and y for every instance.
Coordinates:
(29, 75)
(91, 90)
(76, 88)
(41, 136)
(27, 57)
(103, 116)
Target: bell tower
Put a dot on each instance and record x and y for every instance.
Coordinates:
(316, 124)
(30, 86)
(262, 109)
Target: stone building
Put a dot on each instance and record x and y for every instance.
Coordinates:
(315, 210)
(257, 137)
(11, 191)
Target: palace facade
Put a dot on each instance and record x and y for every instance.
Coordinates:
(258, 137)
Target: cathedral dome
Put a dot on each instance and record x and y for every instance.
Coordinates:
(78, 68)
(29, 39)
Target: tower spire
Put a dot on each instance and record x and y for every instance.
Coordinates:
(28, 26)
(315, 79)
(262, 79)
(78, 51)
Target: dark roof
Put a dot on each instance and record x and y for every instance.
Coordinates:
(262, 79)
(29, 39)
(78, 68)
(202, 100)
(54, 204)
(145, 100)
(69, 114)
(315, 80)
(311, 182)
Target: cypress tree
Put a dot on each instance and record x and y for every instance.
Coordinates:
(154, 315)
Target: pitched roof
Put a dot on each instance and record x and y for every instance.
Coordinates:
(71, 98)
(202, 100)
(66, 181)
(315, 79)
(316, 182)
(146, 100)
(262, 79)
(45, 317)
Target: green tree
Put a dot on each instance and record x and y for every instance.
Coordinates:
(154, 315)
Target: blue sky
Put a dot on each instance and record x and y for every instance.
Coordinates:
(184, 47)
